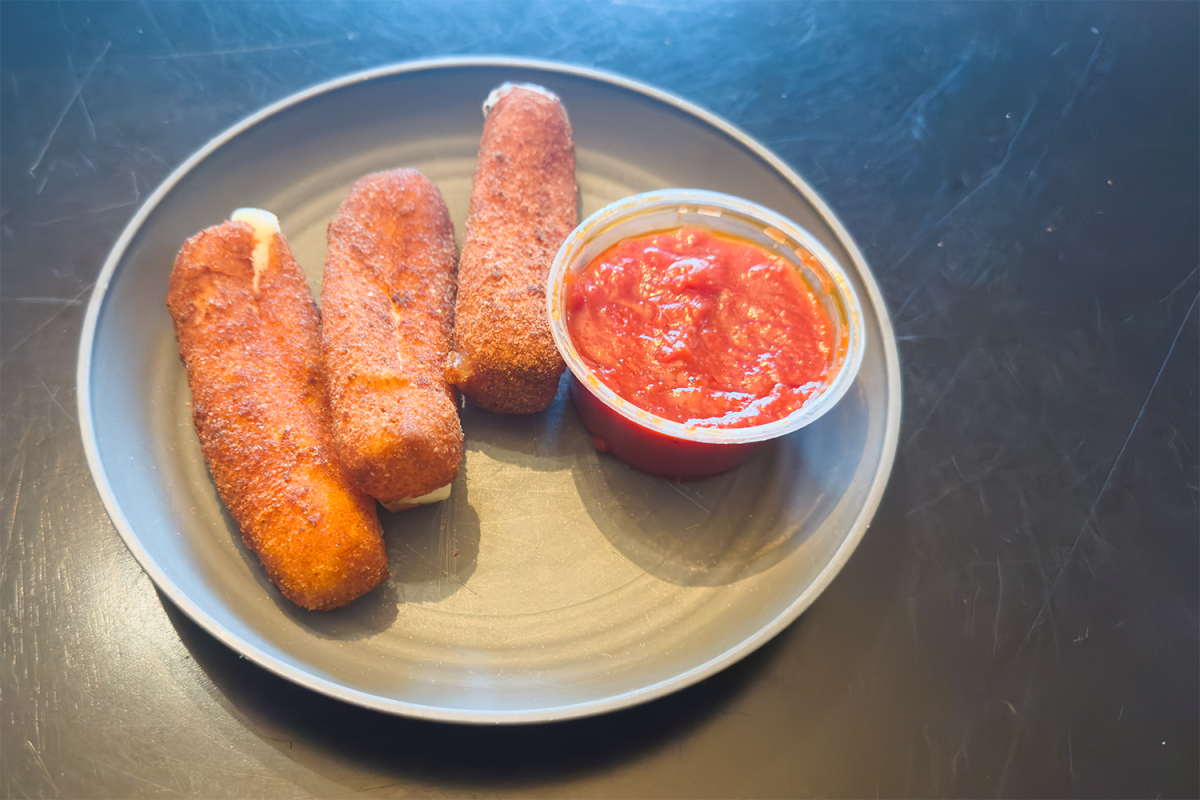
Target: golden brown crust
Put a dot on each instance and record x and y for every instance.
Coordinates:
(387, 303)
(258, 402)
(522, 208)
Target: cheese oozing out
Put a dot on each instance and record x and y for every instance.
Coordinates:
(436, 496)
(265, 226)
(500, 91)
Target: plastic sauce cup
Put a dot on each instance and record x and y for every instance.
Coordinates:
(679, 450)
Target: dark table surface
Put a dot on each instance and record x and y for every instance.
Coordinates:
(1021, 619)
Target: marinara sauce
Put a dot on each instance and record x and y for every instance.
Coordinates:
(701, 328)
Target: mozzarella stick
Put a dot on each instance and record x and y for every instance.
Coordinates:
(248, 334)
(522, 208)
(387, 304)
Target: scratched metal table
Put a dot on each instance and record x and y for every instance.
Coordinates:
(1021, 619)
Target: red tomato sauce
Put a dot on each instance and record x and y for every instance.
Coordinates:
(701, 328)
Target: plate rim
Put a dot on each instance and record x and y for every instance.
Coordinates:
(374, 702)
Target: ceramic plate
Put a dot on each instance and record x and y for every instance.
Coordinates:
(555, 582)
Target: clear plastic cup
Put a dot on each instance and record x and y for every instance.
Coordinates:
(661, 446)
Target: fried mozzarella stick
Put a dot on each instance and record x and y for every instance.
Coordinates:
(387, 304)
(248, 333)
(522, 208)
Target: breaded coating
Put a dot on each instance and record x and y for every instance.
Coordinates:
(387, 305)
(250, 341)
(522, 208)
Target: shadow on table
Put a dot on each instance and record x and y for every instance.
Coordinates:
(349, 744)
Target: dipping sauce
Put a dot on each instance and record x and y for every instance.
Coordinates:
(701, 328)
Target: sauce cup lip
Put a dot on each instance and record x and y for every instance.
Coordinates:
(608, 222)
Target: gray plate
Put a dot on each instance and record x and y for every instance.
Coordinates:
(555, 582)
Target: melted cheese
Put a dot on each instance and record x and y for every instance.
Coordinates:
(265, 226)
(436, 496)
(500, 91)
